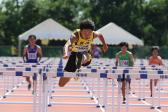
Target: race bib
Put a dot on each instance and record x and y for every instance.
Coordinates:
(124, 63)
(31, 55)
(82, 48)
(96, 53)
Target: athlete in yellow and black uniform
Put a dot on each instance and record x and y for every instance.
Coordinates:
(80, 49)
(80, 41)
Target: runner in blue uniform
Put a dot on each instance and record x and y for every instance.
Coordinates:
(33, 54)
(96, 51)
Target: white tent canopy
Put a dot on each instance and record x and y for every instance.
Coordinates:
(48, 29)
(114, 34)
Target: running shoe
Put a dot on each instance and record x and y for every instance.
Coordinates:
(124, 101)
(29, 86)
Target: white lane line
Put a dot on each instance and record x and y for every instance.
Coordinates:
(9, 92)
(147, 104)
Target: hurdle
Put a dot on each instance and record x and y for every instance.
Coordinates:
(23, 67)
(18, 69)
(82, 70)
(89, 75)
(104, 78)
(63, 74)
(28, 67)
(113, 74)
(21, 73)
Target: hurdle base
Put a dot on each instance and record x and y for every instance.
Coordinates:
(103, 106)
(143, 99)
(152, 107)
(49, 105)
(139, 99)
(98, 106)
(12, 90)
(158, 107)
(4, 96)
(92, 98)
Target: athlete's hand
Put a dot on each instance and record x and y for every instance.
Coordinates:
(105, 48)
(65, 57)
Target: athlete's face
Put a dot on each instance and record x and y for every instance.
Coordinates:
(32, 40)
(123, 48)
(155, 52)
(86, 34)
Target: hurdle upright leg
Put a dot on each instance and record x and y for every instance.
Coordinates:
(89, 85)
(7, 89)
(92, 88)
(44, 97)
(98, 92)
(127, 95)
(12, 84)
(105, 94)
(40, 94)
(143, 89)
(4, 87)
(159, 81)
(133, 87)
(50, 91)
(152, 94)
(119, 95)
(35, 94)
(140, 89)
(112, 104)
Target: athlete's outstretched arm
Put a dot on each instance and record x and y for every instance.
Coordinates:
(116, 63)
(101, 38)
(161, 63)
(24, 53)
(65, 49)
(72, 39)
(39, 51)
(131, 58)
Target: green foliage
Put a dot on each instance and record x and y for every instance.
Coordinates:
(146, 20)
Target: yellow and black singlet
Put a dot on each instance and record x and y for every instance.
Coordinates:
(82, 45)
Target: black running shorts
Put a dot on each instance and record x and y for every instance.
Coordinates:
(71, 63)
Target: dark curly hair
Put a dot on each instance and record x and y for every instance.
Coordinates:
(31, 36)
(123, 44)
(87, 24)
(155, 48)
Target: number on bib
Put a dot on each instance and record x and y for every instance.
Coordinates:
(124, 63)
(32, 56)
(82, 48)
